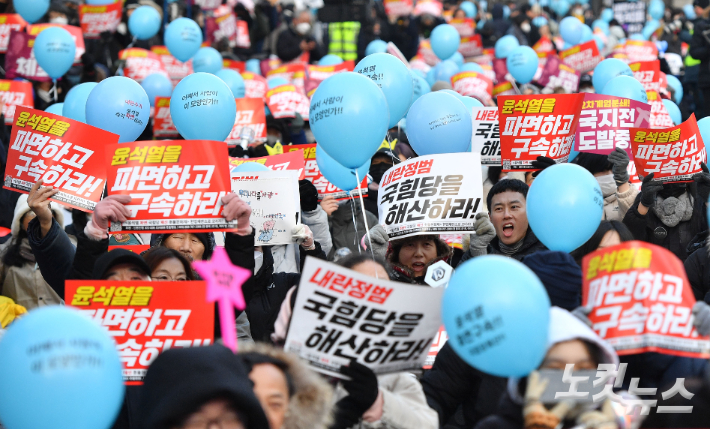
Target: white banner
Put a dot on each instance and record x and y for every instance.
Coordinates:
(486, 135)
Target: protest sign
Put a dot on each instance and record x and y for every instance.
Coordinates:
(431, 194)
(317, 74)
(631, 15)
(473, 84)
(141, 63)
(222, 24)
(505, 88)
(175, 185)
(543, 46)
(75, 33)
(275, 204)
(250, 114)
(285, 101)
(312, 173)
(471, 46)
(426, 53)
(295, 74)
(163, 126)
(145, 318)
(135, 248)
(486, 135)
(342, 315)
(14, 93)
(392, 49)
(8, 23)
(397, 8)
(177, 70)
(500, 68)
(255, 85)
(208, 4)
(243, 38)
(439, 341)
(648, 73)
(65, 154)
(641, 300)
(672, 154)
(465, 26)
(96, 19)
(556, 74)
(20, 58)
(285, 161)
(583, 57)
(605, 121)
(659, 115)
(537, 125)
(640, 50)
(239, 66)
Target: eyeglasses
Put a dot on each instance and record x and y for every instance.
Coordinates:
(225, 421)
(166, 279)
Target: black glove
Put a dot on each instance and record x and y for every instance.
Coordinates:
(309, 195)
(541, 163)
(620, 162)
(236, 152)
(362, 393)
(649, 190)
(703, 181)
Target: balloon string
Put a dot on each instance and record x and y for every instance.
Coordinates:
(364, 215)
(130, 45)
(53, 90)
(352, 210)
(516, 87)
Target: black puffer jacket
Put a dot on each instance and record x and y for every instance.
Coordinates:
(530, 245)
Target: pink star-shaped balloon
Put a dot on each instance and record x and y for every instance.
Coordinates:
(224, 285)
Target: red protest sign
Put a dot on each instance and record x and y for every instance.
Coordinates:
(583, 57)
(15, 93)
(177, 70)
(556, 74)
(163, 126)
(464, 26)
(317, 74)
(471, 46)
(505, 88)
(222, 25)
(8, 23)
(250, 114)
(671, 154)
(473, 84)
(97, 19)
(135, 248)
(65, 154)
(397, 8)
(243, 40)
(175, 185)
(659, 115)
(145, 318)
(255, 85)
(439, 341)
(239, 66)
(293, 160)
(285, 101)
(648, 73)
(20, 58)
(75, 33)
(605, 121)
(641, 300)
(312, 173)
(543, 46)
(426, 53)
(293, 73)
(640, 50)
(537, 125)
(141, 63)
(500, 68)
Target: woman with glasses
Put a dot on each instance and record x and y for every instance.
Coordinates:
(168, 265)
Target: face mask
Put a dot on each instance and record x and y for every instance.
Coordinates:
(258, 260)
(378, 170)
(525, 27)
(272, 140)
(59, 20)
(607, 183)
(303, 28)
(43, 95)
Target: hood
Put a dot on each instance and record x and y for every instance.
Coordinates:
(443, 252)
(560, 275)
(497, 11)
(21, 208)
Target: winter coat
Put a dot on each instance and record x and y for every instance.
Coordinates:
(342, 230)
(287, 257)
(700, 50)
(697, 267)
(317, 221)
(530, 245)
(288, 46)
(617, 204)
(54, 254)
(400, 273)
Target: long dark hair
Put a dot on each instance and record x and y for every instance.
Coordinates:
(156, 255)
(593, 243)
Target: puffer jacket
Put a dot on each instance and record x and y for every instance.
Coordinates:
(617, 204)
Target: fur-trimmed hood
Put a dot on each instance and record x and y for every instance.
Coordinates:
(404, 274)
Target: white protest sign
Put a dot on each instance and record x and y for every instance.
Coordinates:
(486, 135)
(274, 209)
(431, 194)
(342, 315)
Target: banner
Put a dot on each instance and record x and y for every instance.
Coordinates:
(631, 15)
(255, 85)
(397, 8)
(672, 154)
(342, 315)
(222, 25)
(285, 161)
(243, 38)
(500, 68)
(312, 173)
(163, 126)
(317, 74)
(471, 46)
(605, 121)
(556, 74)
(250, 114)
(465, 26)
(20, 59)
(392, 49)
(15, 93)
(426, 53)
(295, 74)
(505, 88)
(141, 63)
(439, 341)
(583, 57)
(145, 318)
(97, 19)
(641, 300)
(176, 70)
(239, 66)
(285, 101)
(537, 125)
(659, 115)
(486, 135)
(65, 154)
(543, 46)
(640, 50)
(135, 248)
(8, 23)
(648, 73)
(275, 204)
(473, 84)
(175, 185)
(75, 33)
(431, 194)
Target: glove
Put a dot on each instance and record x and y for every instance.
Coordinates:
(701, 311)
(235, 208)
(582, 313)
(362, 386)
(485, 232)
(595, 419)
(620, 161)
(380, 241)
(541, 163)
(703, 181)
(649, 190)
(309, 195)
(303, 235)
(535, 414)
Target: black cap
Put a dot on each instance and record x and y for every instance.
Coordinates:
(115, 257)
(585, 78)
(701, 3)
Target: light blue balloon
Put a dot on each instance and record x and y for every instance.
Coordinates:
(457, 58)
(704, 127)
(438, 123)
(31, 10)
(419, 87)
(250, 167)
(183, 38)
(566, 46)
(587, 34)
(637, 36)
(607, 15)
(54, 50)
(607, 70)
(509, 300)
(75, 101)
(55, 108)
(393, 78)
(276, 81)
(444, 70)
(418, 72)
(470, 103)
(330, 60)
(207, 60)
(571, 30)
(677, 87)
(522, 64)
(562, 7)
(376, 47)
(157, 85)
(483, 4)
(650, 28)
(431, 76)
(64, 371)
(626, 87)
(342, 177)
(656, 9)
(505, 45)
(673, 111)
(213, 121)
(600, 42)
(445, 40)
(474, 67)
(564, 206)
(506, 11)
(689, 12)
(253, 66)
(234, 81)
(119, 105)
(349, 118)
(144, 22)
(539, 21)
(602, 25)
(469, 8)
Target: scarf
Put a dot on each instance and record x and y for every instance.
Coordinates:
(510, 250)
(674, 210)
(26, 250)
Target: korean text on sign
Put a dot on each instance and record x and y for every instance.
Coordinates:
(175, 185)
(312, 173)
(671, 154)
(141, 63)
(163, 126)
(537, 125)
(65, 154)
(473, 84)
(8, 23)
(583, 57)
(342, 315)
(250, 114)
(436, 193)
(95, 19)
(293, 160)
(285, 101)
(145, 318)
(15, 93)
(641, 300)
(486, 135)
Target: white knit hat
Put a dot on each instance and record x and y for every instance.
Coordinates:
(21, 208)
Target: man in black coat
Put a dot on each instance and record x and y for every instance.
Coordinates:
(700, 50)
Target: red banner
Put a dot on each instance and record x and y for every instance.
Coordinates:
(317, 74)
(175, 185)
(222, 25)
(97, 19)
(285, 101)
(135, 248)
(293, 73)
(543, 46)
(672, 154)
(176, 70)
(75, 33)
(465, 26)
(556, 74)
(471, 46)
(648, 73)
(8, 23)
(659, 115)
(64, 153)
(239, 66)
(583, 57)
(255, 85)
(250, 114)
(243, 38)
(500, 68)
(312, 173)
(15, 93)
(537, 125)
(641, 300)
(293, 160)
(145, 318)
(397, 8)
(473, 84)
(141, 63)
(640, 50)
(426, 53)
(505, 88)
(20, 58)
(163, 126)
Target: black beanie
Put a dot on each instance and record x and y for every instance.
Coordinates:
(560, 275)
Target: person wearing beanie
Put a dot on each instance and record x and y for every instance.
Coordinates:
(560, 275)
